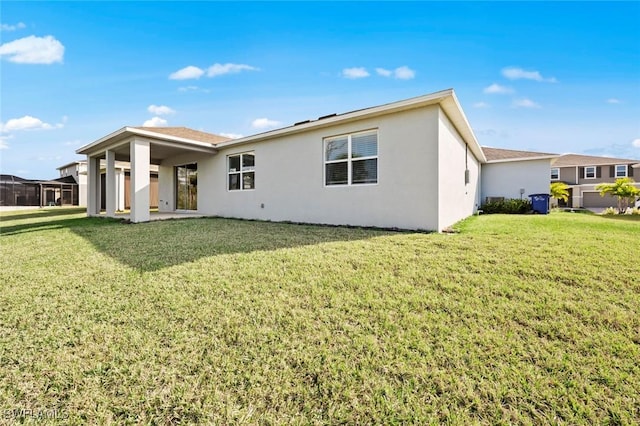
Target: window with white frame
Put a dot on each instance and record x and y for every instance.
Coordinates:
(241, 171)
(351, 159)
(621, 170)
(590, 172)
(555, 174)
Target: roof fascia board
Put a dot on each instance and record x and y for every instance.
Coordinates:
(103, 143)
(509, 160)
(432, 99)
(455, 111)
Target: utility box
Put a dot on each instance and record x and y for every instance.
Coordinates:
(540, 203)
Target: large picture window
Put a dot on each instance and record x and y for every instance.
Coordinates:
(241, 171)
(351, 159)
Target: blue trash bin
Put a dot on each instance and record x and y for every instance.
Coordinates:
(540, 203)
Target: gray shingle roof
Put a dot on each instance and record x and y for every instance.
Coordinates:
(496, 154)
(186, 133)
(573, 160)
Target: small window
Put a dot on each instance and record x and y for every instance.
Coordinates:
(555, 173)
(241, 171)
(590, 172)
(621, 170)
(351, 159)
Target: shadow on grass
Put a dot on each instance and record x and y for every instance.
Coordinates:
(156, 245)
(39, 213)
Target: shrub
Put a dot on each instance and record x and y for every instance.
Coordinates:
(609, 211)
(509, 206)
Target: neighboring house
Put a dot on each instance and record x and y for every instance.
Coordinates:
(514, 174)
(78, 170)
(19, 192)
(582, 173)
(412, 164)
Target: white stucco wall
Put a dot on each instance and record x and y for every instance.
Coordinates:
(290, 179)
(457, 200)
(206, 179)
(506, 179)
(421, 163)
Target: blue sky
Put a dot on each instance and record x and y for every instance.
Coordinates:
(552, 77)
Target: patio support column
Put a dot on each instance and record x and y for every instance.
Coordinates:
(93, 186)
(120, 189)
(140, 181)
(111, 183)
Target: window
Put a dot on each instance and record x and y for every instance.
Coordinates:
(351, 159)
(555, 174)
(590, 172)
(241, 171)
(621, 170)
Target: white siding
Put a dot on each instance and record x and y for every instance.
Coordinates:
(455, 200)
(167, 185)
(506, 179)
(289, 178)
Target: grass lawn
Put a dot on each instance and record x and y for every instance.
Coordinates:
(516, 319)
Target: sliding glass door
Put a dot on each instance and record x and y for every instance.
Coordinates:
(187, 187)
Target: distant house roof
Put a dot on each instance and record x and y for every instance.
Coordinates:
(497, 155)
(575, 160)
(186, 133)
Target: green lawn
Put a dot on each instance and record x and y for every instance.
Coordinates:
(514, 320)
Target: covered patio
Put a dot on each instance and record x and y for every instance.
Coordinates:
(141, 147)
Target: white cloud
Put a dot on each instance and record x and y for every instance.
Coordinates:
(221, 69)
(514, 73)
(3, 141)
(353, 73)
(7, 27)
(187, 73)
(495, 88)
(404, 73)
(193, 89)
(636, 143)
(155, 122)
(230, 135)
(384, 72)
(264, 123)
(28, 123)
(160, 110)
(481, 105)
(33, 50)
(525, 103)
(613, 101)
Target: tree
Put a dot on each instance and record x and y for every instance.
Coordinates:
(559, 191)
(623, 188)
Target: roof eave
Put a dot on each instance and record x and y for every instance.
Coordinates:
(125, 132)
(445, 98)
(510, 160)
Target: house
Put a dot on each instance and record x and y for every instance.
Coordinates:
(19, 192)
(514, 174)
(78, 171)
(582, 173)
(411, 164)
